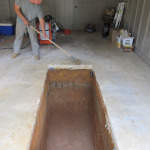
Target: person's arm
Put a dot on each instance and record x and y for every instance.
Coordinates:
(42, 23)
(18, 12)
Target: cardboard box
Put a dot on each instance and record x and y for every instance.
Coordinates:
(118, 41)
(113, 33)
(126, 38)
(127, 49)
(128, 42)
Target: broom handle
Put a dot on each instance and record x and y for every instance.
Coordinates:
(51, 41)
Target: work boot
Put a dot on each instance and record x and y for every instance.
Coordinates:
(14, 55)
(37, 57)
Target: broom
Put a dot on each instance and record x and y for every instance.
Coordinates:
(77, 61)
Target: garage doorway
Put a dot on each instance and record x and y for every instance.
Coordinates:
(85, 12)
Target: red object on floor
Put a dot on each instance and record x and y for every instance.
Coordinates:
(42, 41)
(67, 31)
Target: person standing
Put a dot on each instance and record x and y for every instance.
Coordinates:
(27, 11)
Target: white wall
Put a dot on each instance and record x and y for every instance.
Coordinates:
(65, 12)
(5, 13)
(138, 22)
(61, 10)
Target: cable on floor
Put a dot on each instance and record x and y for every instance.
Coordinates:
(13, 41)
(21, 48)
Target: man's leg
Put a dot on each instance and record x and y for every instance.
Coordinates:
(34, 42)
(20, 29)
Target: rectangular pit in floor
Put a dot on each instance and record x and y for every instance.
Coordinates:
(72, 114)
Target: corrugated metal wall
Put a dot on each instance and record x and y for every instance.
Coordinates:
(5, 13)
(137, 21)
(59, 9)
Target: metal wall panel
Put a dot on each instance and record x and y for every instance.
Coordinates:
(61, 10)
(69, 14)
(49, 7)
(86, 12)
(138, 16)
(102, 4)
(128, 13)
(138, 22)
(112, 3)
(143, 26)
(5, 14)
(13, 14)
(65, 12)
(133, 13)
(146, 43)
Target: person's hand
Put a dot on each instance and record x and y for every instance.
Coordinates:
(26, 22)
(45, 36)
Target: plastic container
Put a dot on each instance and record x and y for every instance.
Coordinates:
(67, 31)
(7, 28)
(48, 32)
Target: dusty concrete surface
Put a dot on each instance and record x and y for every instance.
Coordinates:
(123, 77)
(70, 122)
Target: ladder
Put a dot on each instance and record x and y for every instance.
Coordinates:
(119, 14)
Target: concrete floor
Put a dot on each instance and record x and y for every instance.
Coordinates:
(123, 77)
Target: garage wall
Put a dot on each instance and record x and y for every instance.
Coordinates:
(49, 7)
(62, 10)
(137, 21)
(65, 12)
(5, 13)
(12, 12)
